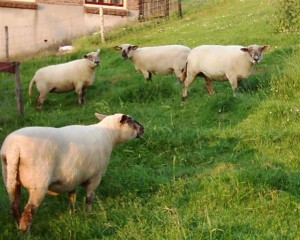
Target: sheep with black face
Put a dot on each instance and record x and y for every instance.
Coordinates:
(165, 59)
(217, 62)
(65, 77)
(57, 160)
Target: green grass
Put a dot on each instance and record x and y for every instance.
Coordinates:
(213, 167)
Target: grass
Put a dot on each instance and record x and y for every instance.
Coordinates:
(213, 167)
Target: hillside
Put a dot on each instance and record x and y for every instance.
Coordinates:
(212, 167)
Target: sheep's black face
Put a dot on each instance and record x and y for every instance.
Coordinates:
(133, 124)
(127, 50)
(124, 54)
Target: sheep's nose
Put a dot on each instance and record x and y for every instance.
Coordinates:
(256, 58)
(124, 55)
(141, 131)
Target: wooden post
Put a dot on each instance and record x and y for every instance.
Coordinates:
(14, 67)
(101, 24)
(141, 10)
(167, 8)
(179, 9)
(6, 43)
(18, 89)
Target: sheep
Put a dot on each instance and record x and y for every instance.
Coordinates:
(217, 62)
(57, 160)
(67, 48)
(65, 77)
(156, 60)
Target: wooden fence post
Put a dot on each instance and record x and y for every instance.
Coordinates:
(141, 10)
(18, 89)
(167, 8)
(6, 43)
(179, 9)
(101, 24)
(14, 67)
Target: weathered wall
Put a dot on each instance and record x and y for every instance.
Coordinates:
(31, 30)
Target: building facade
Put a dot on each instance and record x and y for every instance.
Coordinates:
(27, 26)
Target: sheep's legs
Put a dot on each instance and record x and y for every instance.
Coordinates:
(208, 85)
(15, 204)
(39, 101)
(189, 79)
(179, 74)
(147, 75)
(72, 199)
(90, 190)
(234, 84)
(27, 216)
(81, 95)
(35, 198)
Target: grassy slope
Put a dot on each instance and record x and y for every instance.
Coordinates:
(209, 168)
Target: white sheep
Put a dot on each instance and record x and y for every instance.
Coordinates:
(65, 77)
(157, 59)
(57, 160)
(216, 62)
(67, 48)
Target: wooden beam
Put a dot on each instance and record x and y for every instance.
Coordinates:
(9, 67)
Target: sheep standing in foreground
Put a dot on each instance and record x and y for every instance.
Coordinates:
(65, 77)
(57, 160)
(156, 60)
(216, 62)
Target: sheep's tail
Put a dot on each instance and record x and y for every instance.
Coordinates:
(10, 165)
(4, 168)
(183, 73)
(30, 86)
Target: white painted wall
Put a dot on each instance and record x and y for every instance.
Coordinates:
(33, 30)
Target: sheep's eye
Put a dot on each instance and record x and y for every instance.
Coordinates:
(126, 119)
(130, 120)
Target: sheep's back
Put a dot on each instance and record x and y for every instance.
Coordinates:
(215, 61)
(62, 76)
(67, 155)
(161, 58)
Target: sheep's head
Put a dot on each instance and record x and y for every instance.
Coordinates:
(93, 57)
(255, 52)
(126, 49)
(125, 124)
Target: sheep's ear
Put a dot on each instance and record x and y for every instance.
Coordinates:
(134, 47)
(100, 116)
(124, 118)
(98, 51)
(85, 56)
(265, 47)
(118, 48)
(244, 49)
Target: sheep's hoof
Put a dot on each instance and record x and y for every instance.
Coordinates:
(183, 98)
(24, 228)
